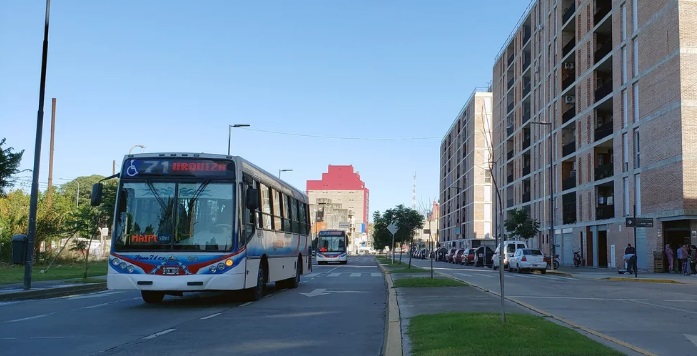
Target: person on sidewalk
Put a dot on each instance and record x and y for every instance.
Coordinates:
(670, 257)
(693, 259)
(682, 259)
(629, 258)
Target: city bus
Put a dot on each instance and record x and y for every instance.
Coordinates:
(192, 222)
(331, 247)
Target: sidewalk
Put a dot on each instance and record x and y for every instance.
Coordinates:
(613, 274)
(49, 289)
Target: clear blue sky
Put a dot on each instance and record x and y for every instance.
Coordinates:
(172, 75)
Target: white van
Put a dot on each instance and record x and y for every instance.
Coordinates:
(509, 247)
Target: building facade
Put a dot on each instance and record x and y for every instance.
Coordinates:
(339, 201)
(613, 81)
(465, 180)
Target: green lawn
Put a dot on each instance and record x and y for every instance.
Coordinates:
(58, 271)
(427, 282)
(484, 334)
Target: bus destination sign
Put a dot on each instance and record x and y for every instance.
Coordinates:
(199, 167)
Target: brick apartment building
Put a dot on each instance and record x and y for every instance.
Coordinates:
(614, 80)
(338, 199)
(465, 181)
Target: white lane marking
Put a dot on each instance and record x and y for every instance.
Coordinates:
(97, 305)
(375, 274)
(665, 307)
(311, 275)
(158, 334)
(30, 318)
(463, 274)
(355, 275)
(574, 298)
(93, 295)
(334, 275)
(681, 300)
(246, 304)
(210, 316)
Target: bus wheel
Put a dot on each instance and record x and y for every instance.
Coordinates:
(258, 291)
(151, 297)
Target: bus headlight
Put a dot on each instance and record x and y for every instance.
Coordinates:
(122, 265)
(130, 268)
(211, 268)
(221, 266)
(115, 261)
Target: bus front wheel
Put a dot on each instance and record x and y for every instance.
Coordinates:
(151, 297)
(258, 291)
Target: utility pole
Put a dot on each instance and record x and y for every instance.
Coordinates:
(50, 159)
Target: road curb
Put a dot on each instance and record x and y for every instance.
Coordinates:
(393, 339)
(646, 280)
(53, 292)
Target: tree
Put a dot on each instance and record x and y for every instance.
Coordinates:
(9, 162)
(520, 224)
(407, 221)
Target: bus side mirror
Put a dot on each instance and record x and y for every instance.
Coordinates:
(252, 202)
(96, 197)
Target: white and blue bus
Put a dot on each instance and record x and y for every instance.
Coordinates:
(190, 222)
(331, 247)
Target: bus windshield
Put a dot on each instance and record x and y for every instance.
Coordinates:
(157, 216)
(331, 243)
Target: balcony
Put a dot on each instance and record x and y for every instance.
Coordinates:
(569, 208)
(510, 82)
(526, 34)
(602, 8)
(526, 197)
(569, 114)
(526, 170)
(509, 203)
(526, 61)
(509, 155)
(567, 82)
(509, 178)
(568, 12)
(510, 60)
(510, 106)
(603, 90)
(603, 212)
(526, 88)
(526, 142)
(568, 183)
(603, 131)
(526, 116)
(602, 51)
(568, 148)
(568, 47)
(509, 130)
(603, 171)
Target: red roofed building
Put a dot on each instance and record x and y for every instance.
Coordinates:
(339, 193)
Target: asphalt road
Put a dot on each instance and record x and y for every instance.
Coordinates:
(338, 310)
(657, 317)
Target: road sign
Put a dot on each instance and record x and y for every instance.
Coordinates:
(344, 225)
(639, 222)
(392, 228)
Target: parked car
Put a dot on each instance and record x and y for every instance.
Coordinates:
(509, 247)
(459, 255)
(440, 254)
(468, 256)
(483, 256)
(450, 257)
(527, 259)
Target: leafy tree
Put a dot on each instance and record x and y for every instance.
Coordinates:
(9, 162)
(406, 219)
(520, 224)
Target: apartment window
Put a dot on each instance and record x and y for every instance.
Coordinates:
(625, 108)
(635, 15)
(637, 162)
(624, 65)
(625, 152)
(625, 182)
(487, 212)
(635, 57)
(623, 11)
(637, 194)
(487, 193)
(635, 101)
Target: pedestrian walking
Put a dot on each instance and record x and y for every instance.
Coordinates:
(693, 259)
(630, 258)
(670, 257)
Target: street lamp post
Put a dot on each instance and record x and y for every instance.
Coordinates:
(229, 134)
(283, 170)
(134, 146)
(551, 192)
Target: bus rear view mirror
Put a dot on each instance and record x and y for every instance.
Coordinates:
(252, 202)
(96, 197)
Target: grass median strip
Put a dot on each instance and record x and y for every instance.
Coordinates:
(427, 282)
(484, 334)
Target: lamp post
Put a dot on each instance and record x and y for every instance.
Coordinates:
(229, 133)
(283, 170)
(134, 146)
(551, 192)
